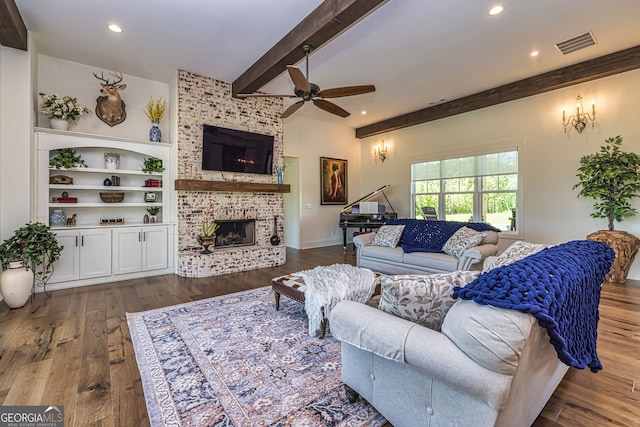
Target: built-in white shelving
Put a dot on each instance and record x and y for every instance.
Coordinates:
(94, 252)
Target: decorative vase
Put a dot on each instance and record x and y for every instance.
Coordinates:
(16, 284)
(625, 245)
(280, 174)
(275, 240)
(57, 218)
(60, 124)
(154, 132)
(111, 160)
(206, 241)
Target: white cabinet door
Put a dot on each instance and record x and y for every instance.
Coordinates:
(95, 253)
(127, 243)
(154, 248)
(67, 267)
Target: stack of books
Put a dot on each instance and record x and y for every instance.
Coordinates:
(153, 183)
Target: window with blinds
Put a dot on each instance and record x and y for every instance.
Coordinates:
(482, 188)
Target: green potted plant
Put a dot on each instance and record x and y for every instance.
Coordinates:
(151, 165)
(153, 212)
(36, 246)
(67, 159)
(612, 178)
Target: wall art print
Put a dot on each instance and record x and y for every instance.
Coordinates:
(333, 181)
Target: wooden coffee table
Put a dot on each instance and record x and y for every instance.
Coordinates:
(293, 287)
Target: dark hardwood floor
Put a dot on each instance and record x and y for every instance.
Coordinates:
(74, 348)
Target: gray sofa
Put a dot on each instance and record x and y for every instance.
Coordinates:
(396, 261)
(484, 364)
(466, 375)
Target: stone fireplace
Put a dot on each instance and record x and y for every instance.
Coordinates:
(232, 198)
(236, 232)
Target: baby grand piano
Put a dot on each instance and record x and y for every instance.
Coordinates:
(364, 221)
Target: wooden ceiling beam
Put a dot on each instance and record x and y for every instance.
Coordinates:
(328, 20)
(604, 66)
(13, 32)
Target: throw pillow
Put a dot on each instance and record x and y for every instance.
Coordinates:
(388, 235)
(516, 251)
(462, 239)
(420, 298)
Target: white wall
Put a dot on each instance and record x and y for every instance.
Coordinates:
(309, 139)
(74, 79)
(15, 139)
(552, 213)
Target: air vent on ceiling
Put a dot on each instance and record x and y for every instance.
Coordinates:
(576, 43)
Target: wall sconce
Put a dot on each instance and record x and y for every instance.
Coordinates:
(380, 152)
(580, 119)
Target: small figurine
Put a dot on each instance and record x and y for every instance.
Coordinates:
(72, 221)
(146, 219)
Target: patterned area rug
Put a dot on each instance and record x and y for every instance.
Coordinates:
(236, 361)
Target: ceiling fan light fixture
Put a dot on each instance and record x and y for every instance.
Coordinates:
(307, 91)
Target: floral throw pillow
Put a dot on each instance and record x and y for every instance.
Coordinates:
(462, 239)
(388, 235)
(515, 252)
(423, 299)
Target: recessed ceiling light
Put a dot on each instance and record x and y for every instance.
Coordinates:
(364, 112)
(534, 53)
(115, 28)
(496, 10)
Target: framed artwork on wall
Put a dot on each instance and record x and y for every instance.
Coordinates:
(333, 181)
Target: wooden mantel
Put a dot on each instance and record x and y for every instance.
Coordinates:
(230, 186)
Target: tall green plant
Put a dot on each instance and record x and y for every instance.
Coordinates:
(612, 178)
(36, 246)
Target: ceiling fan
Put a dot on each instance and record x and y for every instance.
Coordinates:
(311, 92)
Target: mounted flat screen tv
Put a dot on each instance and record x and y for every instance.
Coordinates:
(231, 150)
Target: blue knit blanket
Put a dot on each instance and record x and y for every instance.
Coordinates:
(420, 235)
(560, 286)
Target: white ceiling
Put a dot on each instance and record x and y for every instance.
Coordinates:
(416, 52)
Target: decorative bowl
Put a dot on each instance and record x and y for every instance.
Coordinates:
(112, 197)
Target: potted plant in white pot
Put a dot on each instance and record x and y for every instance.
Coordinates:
(612, 177)
(61, 110)
(35, 247)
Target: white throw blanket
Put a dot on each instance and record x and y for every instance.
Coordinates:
(326, 286)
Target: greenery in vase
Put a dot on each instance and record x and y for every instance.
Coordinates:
(36, 246)
(209, 226)
(153, 210)
(151, 164)
(62, 107)
(67, 159)
(612, 178)
(155, 109)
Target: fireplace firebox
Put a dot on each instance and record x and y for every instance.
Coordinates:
(236, 232)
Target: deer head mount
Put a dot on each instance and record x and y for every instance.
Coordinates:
(110, 107)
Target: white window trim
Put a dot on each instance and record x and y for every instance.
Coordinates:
(513, 144)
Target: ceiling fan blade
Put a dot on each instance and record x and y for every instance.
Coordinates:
(298, 79)
(263, 95)
(330, 107)
(337, 92)
(292, 109)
